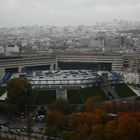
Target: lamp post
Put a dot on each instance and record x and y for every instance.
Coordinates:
(25, 105)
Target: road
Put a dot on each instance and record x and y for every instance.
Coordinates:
(18, 124)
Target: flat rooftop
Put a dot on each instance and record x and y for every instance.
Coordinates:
(65, 78)
(62, 77)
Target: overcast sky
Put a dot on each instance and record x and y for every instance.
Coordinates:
(66, 12)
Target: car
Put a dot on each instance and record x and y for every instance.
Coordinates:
(22, 130)
(12, 131)
(40, 118)
(18, 130)
(51, 138)
(5, 129)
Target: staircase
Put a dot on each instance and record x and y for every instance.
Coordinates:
(110, 93)
(6, 77)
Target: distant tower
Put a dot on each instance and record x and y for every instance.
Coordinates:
(122, 41)
(103, 41)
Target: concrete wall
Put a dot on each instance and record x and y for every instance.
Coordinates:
(2, 72)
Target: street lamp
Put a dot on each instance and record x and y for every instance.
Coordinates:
(25, 105)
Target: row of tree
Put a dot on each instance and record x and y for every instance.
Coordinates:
(94, 121)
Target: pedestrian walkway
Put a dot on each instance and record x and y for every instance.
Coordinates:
(9, 136)
(3, 97)
(137, 91)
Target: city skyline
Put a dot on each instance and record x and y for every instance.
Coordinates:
(66, 12)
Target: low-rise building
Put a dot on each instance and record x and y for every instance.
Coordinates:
(131, 78)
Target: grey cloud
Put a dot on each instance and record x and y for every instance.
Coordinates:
(18, 12)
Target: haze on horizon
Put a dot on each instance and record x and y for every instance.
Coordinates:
(66, 12)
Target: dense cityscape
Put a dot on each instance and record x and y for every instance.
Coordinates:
(116, 37)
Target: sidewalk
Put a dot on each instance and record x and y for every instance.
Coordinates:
(3, 97)
(21, 137)
(137, 91)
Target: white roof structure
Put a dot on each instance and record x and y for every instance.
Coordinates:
(61, 78)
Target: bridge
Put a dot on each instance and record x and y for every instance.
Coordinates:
(99, 61)
(54, 61)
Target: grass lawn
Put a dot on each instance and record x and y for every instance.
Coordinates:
(81, 95)
(43, 97)
(123, 90)
(2, 89)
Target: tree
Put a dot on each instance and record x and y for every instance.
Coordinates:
(54, 121)
(93, 102)
(77, 119)
(61, 105)
(55, 118)
(103, 115)
(83, 131)
(97, 132)
(19, 91)
(52, 131)
(83, 123)
(115, 107)
(126, 126)
(110, 130)
(11, 109)
(70, 135)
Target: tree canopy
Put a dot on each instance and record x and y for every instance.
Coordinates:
(19, 90)
(61, 105)
(93, 102)
(126, 126)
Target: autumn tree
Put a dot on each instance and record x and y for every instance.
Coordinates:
(55, 121)
(83, 123)
(19, 91)
(70, 135)
(83, 130)
(61, 105)
(126, 126)
(77, 119)
(111, 107)
(93, 102)
(97, 132)
(103, 115)
(121, 106)
(55, 118)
